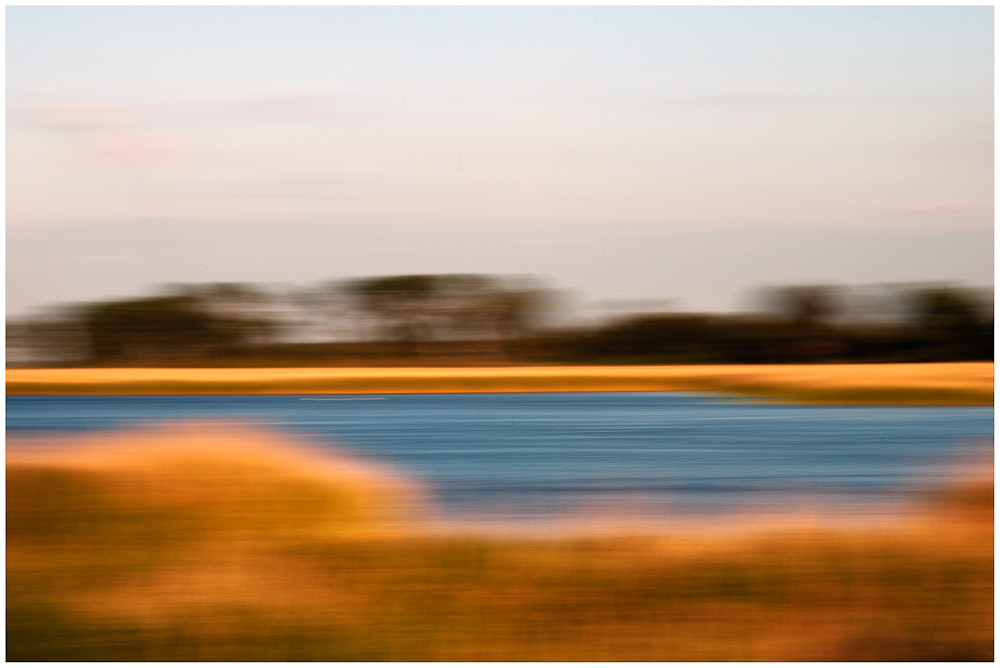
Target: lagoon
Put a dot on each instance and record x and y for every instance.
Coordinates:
(543, 455)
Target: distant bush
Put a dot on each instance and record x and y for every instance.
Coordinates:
(467, 319)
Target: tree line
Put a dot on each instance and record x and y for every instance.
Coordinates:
(473, 318)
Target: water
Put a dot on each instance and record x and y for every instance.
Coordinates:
(541, 454)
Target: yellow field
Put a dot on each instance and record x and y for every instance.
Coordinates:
(952, 383)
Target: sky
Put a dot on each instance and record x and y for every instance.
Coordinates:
(627, 153)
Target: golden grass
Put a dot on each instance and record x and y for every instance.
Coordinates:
(953, 383)
(181, 465)
(212, 542)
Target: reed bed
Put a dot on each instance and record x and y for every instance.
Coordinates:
(208, 542)
(968, 383)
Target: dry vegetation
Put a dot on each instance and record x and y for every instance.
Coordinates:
(211, 542)
(940, 383)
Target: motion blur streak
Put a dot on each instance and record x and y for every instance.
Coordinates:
(213, 542)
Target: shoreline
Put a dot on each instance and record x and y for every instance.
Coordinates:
(950, 383)
(231, 452)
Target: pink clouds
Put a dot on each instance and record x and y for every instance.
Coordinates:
(136, 148)
(98, 136)
(101, 135)
(77, 117)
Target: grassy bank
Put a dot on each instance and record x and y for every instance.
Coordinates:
(945, 383)
(216, 543)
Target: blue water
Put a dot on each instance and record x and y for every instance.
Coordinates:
(543, 453)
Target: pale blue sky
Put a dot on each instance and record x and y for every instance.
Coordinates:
(644, 152)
